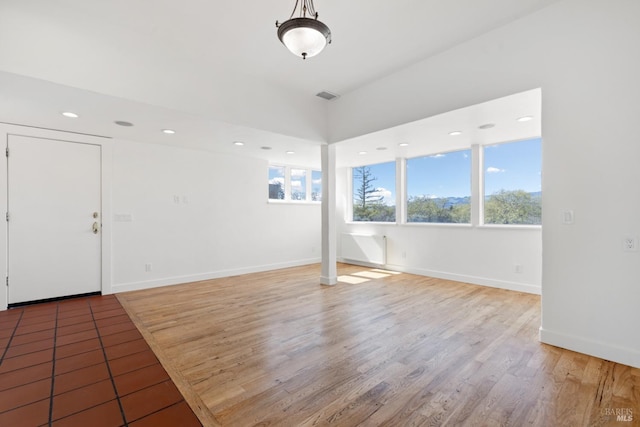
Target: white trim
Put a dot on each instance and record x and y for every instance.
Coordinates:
(624, 355)
(328, 281)
(178, 280)
(474, 280)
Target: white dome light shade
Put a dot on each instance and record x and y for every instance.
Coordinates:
(304, 37)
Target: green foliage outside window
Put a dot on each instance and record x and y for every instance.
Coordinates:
(426, 209)
(513, 207)
(368, 203)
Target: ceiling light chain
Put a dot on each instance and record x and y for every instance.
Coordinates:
(304, 36)
(307, 5)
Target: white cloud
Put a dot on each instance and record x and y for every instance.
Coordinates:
(387, 196)
(277, 180)
(298, 172)
(317, 181)
(437, 156)
(491, 169)
(296, 184)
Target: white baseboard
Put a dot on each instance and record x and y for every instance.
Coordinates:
(482, 281)
(177, 280)
(625, 356)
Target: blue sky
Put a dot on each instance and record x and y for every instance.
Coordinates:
(506, 166)
(513, 166)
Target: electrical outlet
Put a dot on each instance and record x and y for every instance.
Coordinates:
(630, 244)
(518, 268)
(148, 267)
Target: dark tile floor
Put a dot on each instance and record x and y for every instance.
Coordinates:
(82, 362)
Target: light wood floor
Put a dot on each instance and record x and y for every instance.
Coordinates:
(378, 349)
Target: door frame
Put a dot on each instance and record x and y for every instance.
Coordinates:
(106, 145)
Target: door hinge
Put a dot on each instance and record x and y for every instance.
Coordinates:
(7, 216)
(7, 280)
(7, 151)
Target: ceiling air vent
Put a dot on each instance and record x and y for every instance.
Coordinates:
(327, 95)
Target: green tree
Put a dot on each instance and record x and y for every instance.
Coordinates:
(367, 201)
(512, 207)
(364, 192)
(428, 209)
(461, 214)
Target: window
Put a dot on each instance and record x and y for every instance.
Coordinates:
(276, 182)
(439, 188)
(374, 196)
(512, 183)
(294, 184)
(316, 186)
(298, 184)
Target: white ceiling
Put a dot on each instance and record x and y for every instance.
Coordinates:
(432, 134)
(205, 67)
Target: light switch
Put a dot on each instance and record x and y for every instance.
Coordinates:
(567, 217)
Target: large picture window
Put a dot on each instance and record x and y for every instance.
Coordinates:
(374, 196)
(512, 183)
(439, 188)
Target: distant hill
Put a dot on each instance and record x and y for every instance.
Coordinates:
(454, 201)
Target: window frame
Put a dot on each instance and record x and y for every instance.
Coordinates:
(482, 188)
(349, 211)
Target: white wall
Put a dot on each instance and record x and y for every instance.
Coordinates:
(583, 54)
(221, 224)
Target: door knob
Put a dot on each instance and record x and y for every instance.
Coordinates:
(96, 227)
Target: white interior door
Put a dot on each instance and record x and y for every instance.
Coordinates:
(54, 218)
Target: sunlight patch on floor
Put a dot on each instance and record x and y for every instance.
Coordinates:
(352, 280)
(365, 276)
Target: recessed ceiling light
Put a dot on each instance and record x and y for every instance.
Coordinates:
(123, 123)
(362, 152)
(291, 152)
(168, 131)
(455, 133)
(403, 144)
(524, 118)
(266, 148)
(238, 143)
(70, 115)
(487, 126)
(381, 148)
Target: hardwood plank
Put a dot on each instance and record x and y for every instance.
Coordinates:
(276, 348)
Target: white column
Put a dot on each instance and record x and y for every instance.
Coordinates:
(329, 270)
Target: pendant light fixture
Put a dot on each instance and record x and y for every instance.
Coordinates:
(304, 35)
